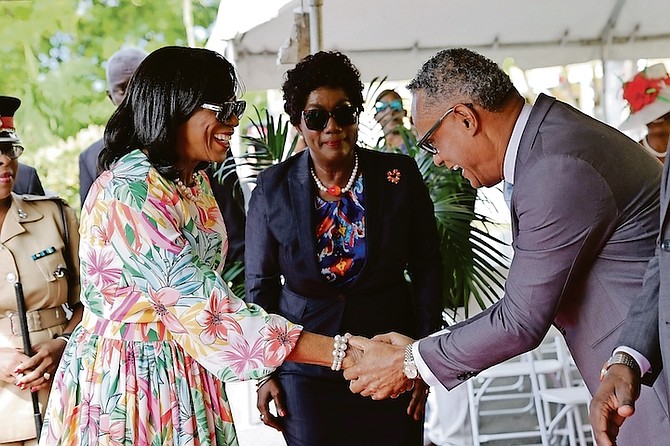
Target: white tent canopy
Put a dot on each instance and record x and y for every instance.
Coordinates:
(394, 37)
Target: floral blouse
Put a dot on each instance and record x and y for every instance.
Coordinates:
(151, 263)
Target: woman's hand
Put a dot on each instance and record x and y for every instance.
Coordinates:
(417, 405)
(38, 369)
(10, 359)
(270, 390)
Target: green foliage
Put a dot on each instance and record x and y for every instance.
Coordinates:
(53, 56)
(472, 260)
(271, 147)
(233, 275)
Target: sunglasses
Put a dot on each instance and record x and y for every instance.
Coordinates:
(11, 150)
(226, 110)
(318, 119)
(424, 142)
(395, 105)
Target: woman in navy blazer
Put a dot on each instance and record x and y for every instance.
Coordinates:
(330, 234)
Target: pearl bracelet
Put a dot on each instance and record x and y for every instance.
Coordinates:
(341, 343)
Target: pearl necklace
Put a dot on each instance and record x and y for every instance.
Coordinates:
(186, 191)
(335, 190)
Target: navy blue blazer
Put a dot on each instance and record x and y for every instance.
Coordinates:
(283, 274)
(27, 181)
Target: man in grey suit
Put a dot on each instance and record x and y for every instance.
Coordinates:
(584, 210)
(644, 344)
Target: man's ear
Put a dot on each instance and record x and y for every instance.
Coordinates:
(467, 116)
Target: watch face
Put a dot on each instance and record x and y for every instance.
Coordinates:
(411, 371)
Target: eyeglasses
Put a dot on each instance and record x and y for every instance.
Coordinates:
(11, 150)
(318, 119)
(424, 142)
(226, 110)
(396, 105)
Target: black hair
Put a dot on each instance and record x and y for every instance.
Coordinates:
(385, 92)
(330, 69)
(165, 90)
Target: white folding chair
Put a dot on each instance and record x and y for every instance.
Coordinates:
(563, 406)
(525, 372)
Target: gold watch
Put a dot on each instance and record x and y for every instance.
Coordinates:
(620, 358)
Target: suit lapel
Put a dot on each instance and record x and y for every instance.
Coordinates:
(537, 115)
(374, 203)
(302, 206)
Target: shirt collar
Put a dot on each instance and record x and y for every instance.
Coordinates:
(509, 162)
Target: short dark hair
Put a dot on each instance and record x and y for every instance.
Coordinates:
(167, 88)
(330, 69)
(463, 75)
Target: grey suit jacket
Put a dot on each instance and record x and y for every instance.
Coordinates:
(585, 211)
(647, 327)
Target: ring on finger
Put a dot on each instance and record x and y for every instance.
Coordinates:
(46, 376)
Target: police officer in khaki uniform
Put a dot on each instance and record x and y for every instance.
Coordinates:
(39, 241)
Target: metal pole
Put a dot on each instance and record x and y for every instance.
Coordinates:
(28, 350)
(315, 26)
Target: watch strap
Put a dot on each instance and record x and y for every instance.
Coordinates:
(620, 358)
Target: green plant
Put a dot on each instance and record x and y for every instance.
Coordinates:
(473, 263)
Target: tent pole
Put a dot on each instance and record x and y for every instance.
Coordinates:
(315, 26)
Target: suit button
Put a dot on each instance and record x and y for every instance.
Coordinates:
(11, 277)
(665, 246)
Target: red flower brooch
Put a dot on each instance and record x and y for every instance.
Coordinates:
(641, 90)
(393, 176)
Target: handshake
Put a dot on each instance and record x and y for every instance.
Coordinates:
(376, 367)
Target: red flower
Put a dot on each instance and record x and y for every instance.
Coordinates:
(641, 91)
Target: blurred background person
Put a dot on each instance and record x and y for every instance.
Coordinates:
(330, 234)
(39, 241)
(390, 114)
(27, 181)
(161, 330)
(648, 96)
(120, 68)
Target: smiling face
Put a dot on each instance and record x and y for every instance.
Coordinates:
(336, 142)
(459, 139)
(203, 138)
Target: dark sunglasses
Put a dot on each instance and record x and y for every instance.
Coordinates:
(226, 110)
(11, 150)
(318, 119)
(396, 105)
(424, 142)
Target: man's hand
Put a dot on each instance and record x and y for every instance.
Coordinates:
(270, 391)
(417, 405)
(394, 338)
(613, 403)
(379, 373)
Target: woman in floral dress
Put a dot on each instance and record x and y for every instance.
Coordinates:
(161, 329)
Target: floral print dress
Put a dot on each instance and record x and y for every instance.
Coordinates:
(161, 330)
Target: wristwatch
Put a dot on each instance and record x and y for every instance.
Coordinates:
(409, 367)
(620, 358)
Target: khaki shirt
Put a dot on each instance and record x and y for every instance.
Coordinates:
(33, 252)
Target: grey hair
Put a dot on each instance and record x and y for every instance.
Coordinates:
(463, 75)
